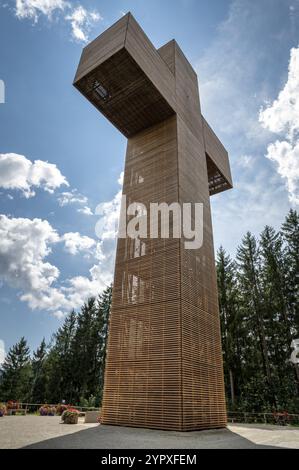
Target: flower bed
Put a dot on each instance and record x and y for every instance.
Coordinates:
(3, 410)
(47, 410)
(282, 418)
(12, 405)
(61, 408)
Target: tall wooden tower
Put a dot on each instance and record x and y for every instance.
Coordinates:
(164, 361)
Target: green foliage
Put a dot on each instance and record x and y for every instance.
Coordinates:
(71, 368)
(17, 373)
(88, 403)
(39, 372)
(60, 362)
(258, 301)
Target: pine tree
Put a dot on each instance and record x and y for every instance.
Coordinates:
(253, 306)
(17, 373)
(89, 347)
(290, 234)
(231, 325)
(39, 372)
(75, 362)
(104, 307)
(276, 313)
(60, 362)
(85, 349)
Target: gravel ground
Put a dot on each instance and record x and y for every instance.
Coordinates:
(21, 431)
(46, 432)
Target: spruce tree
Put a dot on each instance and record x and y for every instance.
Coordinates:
(39, 373)
(253, 307)
(85, 350)
(276, 314)
(17, 373)
(231, 325)
(89, 347)
(60, 364)
(290, 234)
(104, 307)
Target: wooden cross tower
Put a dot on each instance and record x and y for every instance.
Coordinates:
(164, 361)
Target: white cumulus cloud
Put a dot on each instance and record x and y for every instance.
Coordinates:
(286, 156)
(283, 114)
(107, 225)
(25, 245)
(282, 117)
(2, 351)
(59, 314)
(18, 173)
(34, 8)
(232, 89)
(85, 210)
(71, 197)
(81, 287)
(80, 19)
(246, 161)
(75, 243)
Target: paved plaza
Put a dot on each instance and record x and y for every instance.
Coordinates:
(46, 432)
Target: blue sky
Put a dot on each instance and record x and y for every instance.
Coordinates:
(59, 158)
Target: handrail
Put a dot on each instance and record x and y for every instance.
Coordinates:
(255, 413)
(278, 418)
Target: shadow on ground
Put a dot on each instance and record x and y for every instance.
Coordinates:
(115, 437)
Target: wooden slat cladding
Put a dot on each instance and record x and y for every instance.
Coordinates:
(167, 52)
(188, 107)
(164, 362)
(102, 48)
(141, 86)
(187, 95)
(143, 369)
(186, 87)
(202, 372)
(150, 61)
